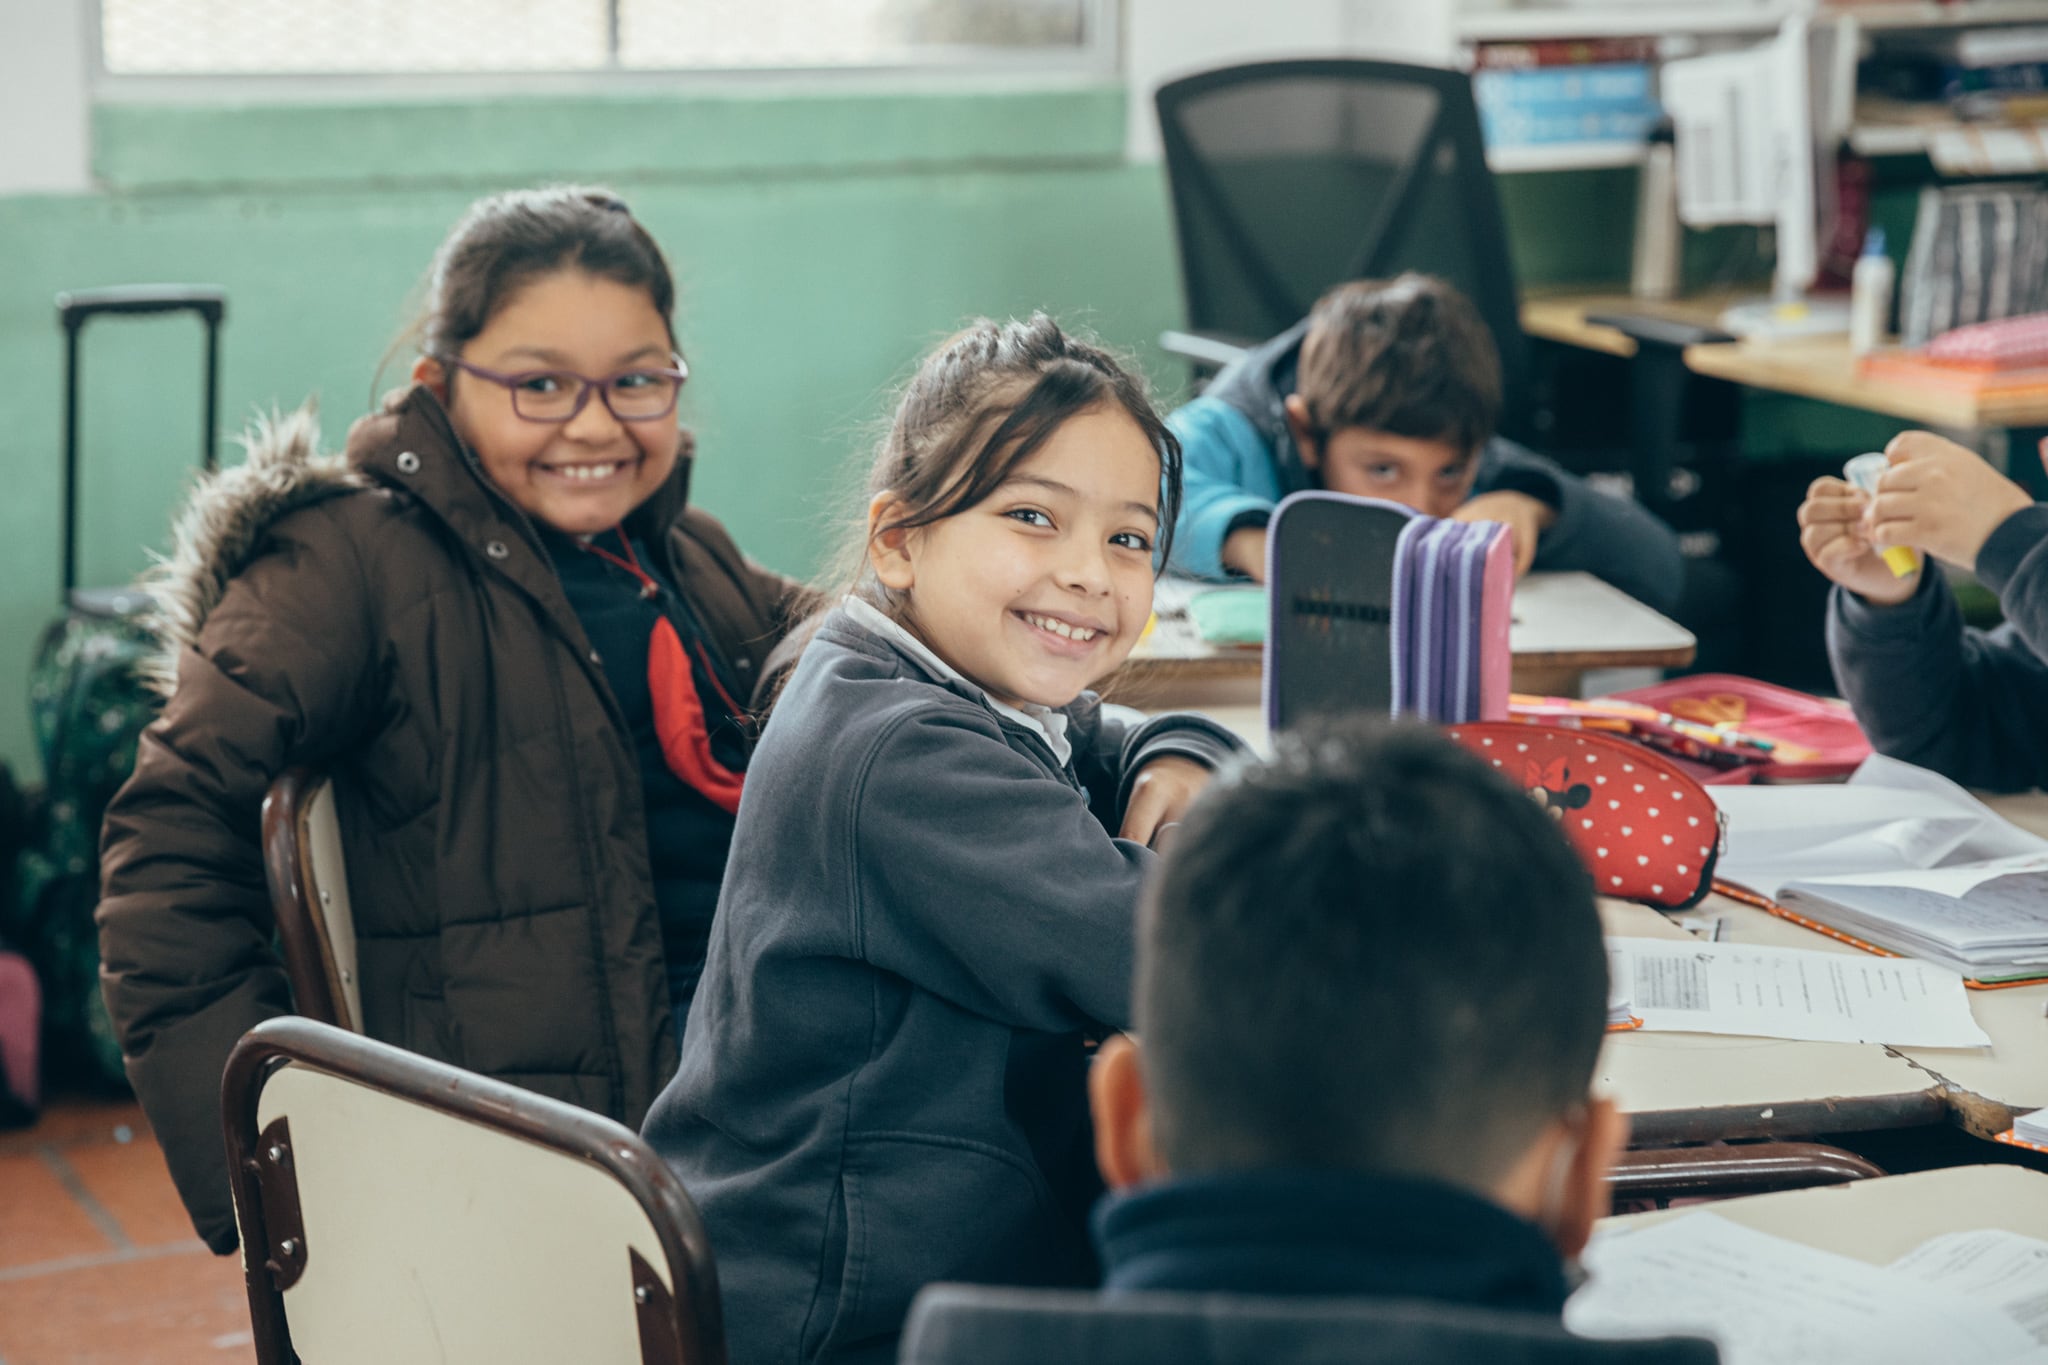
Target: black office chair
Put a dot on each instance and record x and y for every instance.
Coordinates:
(1290, 177)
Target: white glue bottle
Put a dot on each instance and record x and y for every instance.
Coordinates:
(1870, 295)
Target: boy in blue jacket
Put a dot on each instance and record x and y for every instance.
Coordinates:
(1370, 992)
(1391, 389)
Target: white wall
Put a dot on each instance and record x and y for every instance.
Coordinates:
(1164, 39)
(44, 109)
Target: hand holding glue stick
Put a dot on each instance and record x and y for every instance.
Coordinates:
(1942, 498)
(1835, 533)
(1928, 493)
(1863, 472)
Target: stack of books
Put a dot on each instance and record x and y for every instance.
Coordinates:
(2007, 358)
(1981, 72)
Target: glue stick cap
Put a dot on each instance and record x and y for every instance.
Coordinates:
(1863, 472)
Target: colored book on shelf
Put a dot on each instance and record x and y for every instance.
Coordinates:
(2008, 344)
(1563, 52)
(1914, 369)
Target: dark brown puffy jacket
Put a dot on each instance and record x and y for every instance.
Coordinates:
(389, 617)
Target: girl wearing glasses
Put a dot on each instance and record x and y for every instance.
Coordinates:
(525, 662)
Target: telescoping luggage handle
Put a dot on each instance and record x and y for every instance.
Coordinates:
(73, 308)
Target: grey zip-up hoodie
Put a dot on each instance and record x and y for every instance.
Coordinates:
(1928, 689)
(925, 918)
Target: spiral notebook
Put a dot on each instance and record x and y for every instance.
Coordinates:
(1376, 607)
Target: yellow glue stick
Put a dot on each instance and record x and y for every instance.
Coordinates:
(1863, 472)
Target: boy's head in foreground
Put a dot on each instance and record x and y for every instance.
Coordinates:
(1371, 954)
(1397, 388)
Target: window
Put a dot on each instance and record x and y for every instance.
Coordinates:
(154, 38)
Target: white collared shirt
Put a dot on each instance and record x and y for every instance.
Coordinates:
(1050, 724)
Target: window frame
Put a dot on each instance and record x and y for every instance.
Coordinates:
(1099, 57)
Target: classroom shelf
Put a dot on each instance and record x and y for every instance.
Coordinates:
(1896, 14)
(1891, 139)
(1531, 23)
(1564, 156)
(1617, 21)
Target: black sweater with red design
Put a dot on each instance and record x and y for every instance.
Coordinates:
(688, 835)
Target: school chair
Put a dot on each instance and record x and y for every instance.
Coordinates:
(302, 864)
(397, 1209)
(954, 1324)
(1289, 177)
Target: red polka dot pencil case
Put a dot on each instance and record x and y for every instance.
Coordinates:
(1647, 831)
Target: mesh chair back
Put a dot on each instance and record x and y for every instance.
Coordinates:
(1290, 177)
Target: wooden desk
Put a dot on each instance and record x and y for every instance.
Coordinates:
(1563, 625)
(1819, 368)
(1878, 1221)
(1561, 316)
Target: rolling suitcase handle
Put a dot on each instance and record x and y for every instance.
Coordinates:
(73, 308)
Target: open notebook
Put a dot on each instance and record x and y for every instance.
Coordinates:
(1897, 860)
(1377, 607)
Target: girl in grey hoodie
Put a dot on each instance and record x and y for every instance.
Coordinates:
(929, 908)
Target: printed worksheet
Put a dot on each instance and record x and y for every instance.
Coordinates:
(1770, 1301)
(2006, 1268)
(1676, 986)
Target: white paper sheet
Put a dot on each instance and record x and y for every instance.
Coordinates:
(1680, 987)
(1991, 1264)
(1769, 1301)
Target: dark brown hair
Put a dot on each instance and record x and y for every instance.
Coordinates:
(979, 405)
(508, 240)
(1371, 953)
(1408, 356)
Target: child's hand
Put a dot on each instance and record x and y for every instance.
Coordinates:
(1940, 497)
(1525, 517)
(1833, 533)
(1244, 550)
(1161, 795)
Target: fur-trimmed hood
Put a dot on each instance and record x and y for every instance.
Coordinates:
(224, 520)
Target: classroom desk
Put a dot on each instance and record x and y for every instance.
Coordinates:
(1563, 625)
(1820, 368)
(1696, 1087)
(1690, 1087)
(1686, 1087)
(1878, 1221)
(1980, 1089)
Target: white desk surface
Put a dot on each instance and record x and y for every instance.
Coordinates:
(1983, 1087)
(1560, 617)
(1695, 1086)
(1878, 1221)
(1561, 620)
(1761, 1087)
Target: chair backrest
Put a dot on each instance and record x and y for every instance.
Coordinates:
(1290, 177)
(302, 864)
(955, 1324)
(398, 1209)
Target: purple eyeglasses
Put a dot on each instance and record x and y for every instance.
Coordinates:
(641, 394)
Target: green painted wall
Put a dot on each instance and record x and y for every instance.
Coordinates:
(821, 240)
(821, 243)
